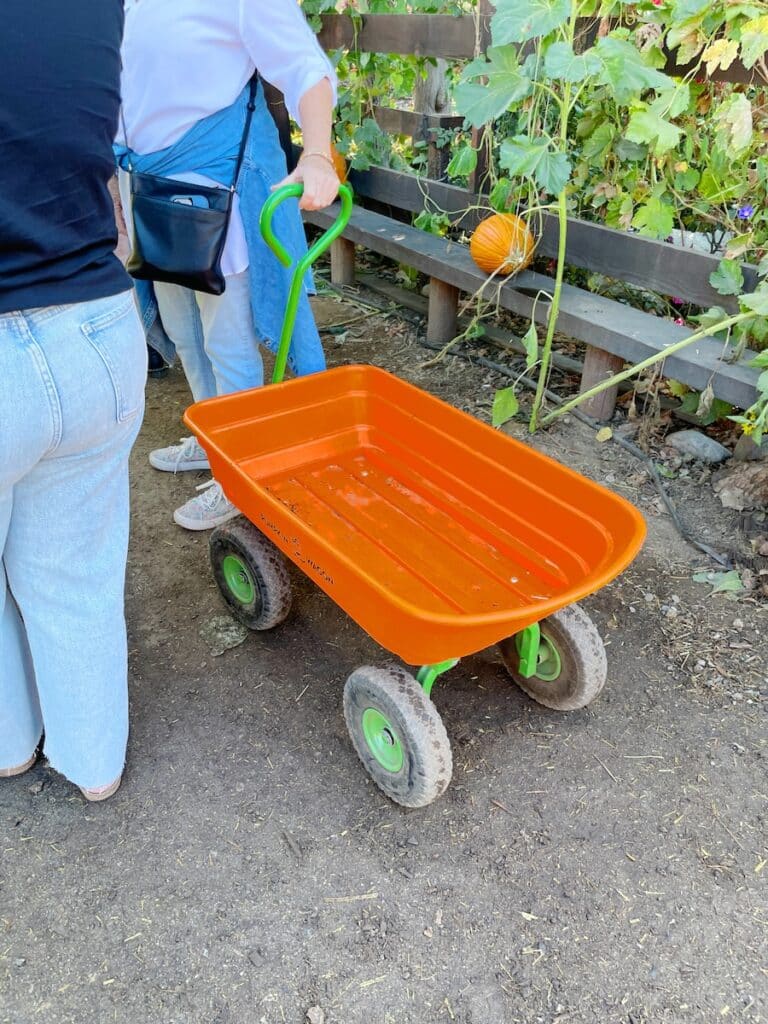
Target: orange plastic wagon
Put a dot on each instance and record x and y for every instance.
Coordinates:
(437, 534)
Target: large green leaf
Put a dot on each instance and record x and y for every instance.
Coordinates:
(728, 279)
(517, 21)
(596, 147)
(506, 85)
(654, 219)
(562, 63)
(624, 71)
(714, 189)
(711, 319)
(757, 301)
(535, 158)
(463, 162)
(646, 126)
(630, 151)
(671, 105)
(686, 10)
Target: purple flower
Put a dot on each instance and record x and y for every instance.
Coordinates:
(677, 301)
(745, 212)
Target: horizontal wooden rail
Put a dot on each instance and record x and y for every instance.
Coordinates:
(420, 35)
(412, 122)
(603, 323)
(441, 35)
(644, 262)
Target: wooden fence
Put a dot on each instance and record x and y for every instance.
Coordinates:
(644, 262)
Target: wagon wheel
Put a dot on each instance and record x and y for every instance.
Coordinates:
(572, 666)
(251, 575)
(398, 735)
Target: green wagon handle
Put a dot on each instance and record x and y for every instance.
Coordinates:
(303, 265)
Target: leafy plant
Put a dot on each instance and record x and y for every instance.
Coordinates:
(572, 110)
(590, 125)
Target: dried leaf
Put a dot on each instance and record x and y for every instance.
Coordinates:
(721, 582)
(706, 398)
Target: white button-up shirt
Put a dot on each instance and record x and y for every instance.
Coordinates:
(184, 60)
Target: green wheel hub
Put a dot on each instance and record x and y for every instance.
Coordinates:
(549, 665)
(239, 579)
(383, 741)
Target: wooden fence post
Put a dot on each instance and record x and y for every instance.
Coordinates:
(442, 313)
(599, 366)
(430, 96)
(477, 179)
(343, 262)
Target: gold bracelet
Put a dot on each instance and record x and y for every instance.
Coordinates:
(318, 152)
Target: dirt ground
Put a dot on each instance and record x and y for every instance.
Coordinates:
(603, 867)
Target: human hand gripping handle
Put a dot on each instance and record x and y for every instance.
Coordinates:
(315, 171)
(318, 247)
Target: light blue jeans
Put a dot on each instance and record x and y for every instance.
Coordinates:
(214, 336)
(71, 402)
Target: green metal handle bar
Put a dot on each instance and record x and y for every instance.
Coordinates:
(303, 265)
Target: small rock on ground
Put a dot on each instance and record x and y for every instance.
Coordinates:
(698, 446)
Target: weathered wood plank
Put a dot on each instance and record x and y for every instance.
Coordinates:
(422, 35)
(736, 73)
(601, 322)
(441, 35)
(644, 262)
(413, 122)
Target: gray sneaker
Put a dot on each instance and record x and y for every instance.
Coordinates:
(179, 458)
(209, 509)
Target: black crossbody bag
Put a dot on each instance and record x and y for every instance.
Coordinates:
(179, 228)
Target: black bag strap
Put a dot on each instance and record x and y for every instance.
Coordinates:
(252, 91)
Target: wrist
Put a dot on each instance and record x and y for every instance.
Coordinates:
(320, 155)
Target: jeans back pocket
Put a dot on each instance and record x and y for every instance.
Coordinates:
(118, 339)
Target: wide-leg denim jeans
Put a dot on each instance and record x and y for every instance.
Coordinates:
(214, 336)
(71, 402)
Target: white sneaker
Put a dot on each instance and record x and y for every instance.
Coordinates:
(179, 458)
(210, 508)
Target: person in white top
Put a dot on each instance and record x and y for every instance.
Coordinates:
(183, 61)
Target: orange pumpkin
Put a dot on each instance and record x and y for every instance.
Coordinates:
(503, 244)
(339, 163)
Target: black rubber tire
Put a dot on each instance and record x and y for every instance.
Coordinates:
(428, 762)
(582, 655)
(267, 567)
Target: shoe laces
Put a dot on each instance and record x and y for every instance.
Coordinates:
(211, 495)
(185, 450)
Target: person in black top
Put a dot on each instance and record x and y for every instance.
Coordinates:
(72, 372)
